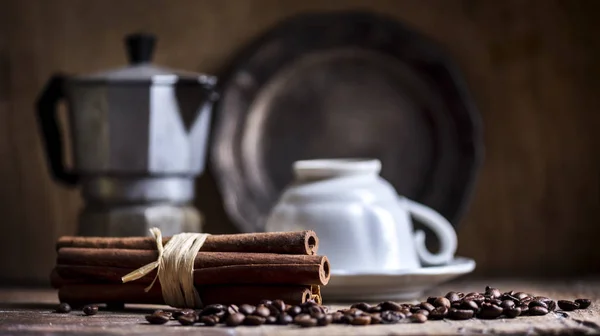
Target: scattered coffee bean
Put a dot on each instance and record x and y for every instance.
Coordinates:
(324, 320)
(427, 306)
(492, 292)
(301, 317)
(361, 305)
(375, 309)
(93, 310)
(452, 297)
(232, 309)
(537, 311)
(469, 304)
(284, 319)
(438, 313)
(583, 303)
(354, 312)
(209, 320)
(294, 310)
(262, 311)
(63, 308)
(422, 312)
(180, 312)
(157, 317)
(512, 312)
(235, 319)
(418, 318)
(253, 320)
(490, 311)
(414, 309)
(316, 311)
(537, 303)
(187, 320)
(524, 309)
(306, 323)
(460, 314)
(390, 317)
(567, 305)
(507, 304)
(376, 318)
(361, 320)
(247, 309)
(265, 302)
(213, 309)
(389, 305)
(271, 320)
(441, 301)
(337, 317)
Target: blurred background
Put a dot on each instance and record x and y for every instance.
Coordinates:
(531, 66)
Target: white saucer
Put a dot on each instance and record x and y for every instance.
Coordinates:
(392, 285)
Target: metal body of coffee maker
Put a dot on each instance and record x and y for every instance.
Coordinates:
(139, 137)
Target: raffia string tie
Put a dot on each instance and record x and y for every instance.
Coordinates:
(175, 265)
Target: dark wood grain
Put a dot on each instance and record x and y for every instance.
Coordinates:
(532, 67)
(31, 312)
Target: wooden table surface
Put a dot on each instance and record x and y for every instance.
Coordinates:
(30, 312)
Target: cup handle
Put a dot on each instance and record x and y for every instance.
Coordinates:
(442, 229)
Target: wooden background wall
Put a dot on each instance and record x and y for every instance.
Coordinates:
(532, 67)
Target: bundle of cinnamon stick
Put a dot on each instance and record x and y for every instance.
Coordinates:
(229, 269)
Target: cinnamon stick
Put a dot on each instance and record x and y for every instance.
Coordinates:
(79, 294)
(295, 242)
(133, 259)
(294, 274)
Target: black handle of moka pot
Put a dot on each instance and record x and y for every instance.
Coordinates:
(52, 135)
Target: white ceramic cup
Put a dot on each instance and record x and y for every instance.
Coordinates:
(363, 225)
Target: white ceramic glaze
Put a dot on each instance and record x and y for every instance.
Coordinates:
(399, 285)
(362, 223)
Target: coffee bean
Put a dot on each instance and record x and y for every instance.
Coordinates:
(524, 309)
(375, 309)
(507, 304)
(316, 311)
(460, 314)
(284, 319)
(187, 320)
(441, 301)
(93, 310)
(414, 309)
(279, 305)
(521, 295)
(265, 302)
(427, 306)
(346, 319)
(492, 292)
(209, 320)
(418, 318)
(232, 309)
(308, 303)
(63, 308)
(438, 313)
(422, 312)
(497, 302)
(477, 298)
(306, 323)
(567, 305)
(301, 317)
(361, 320)
(247, 309)
(376, 318)
(490, 311)
(262, 311)
(536, 303)
(157, 318)
(254, 320)
(361, 305)
(452, 296)
(389, 305)
(583, 303)
(390, 317)
(213, 309)
(537, 310)
(456, 304)
(324, 320)
(271, 320)
(294, 310)
(180, 312)
(354, 312)
(551, 305)
(235, 319)
(337, 317)
(469, 304)
(512, 312)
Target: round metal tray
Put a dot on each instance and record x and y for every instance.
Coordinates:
(341, 85)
